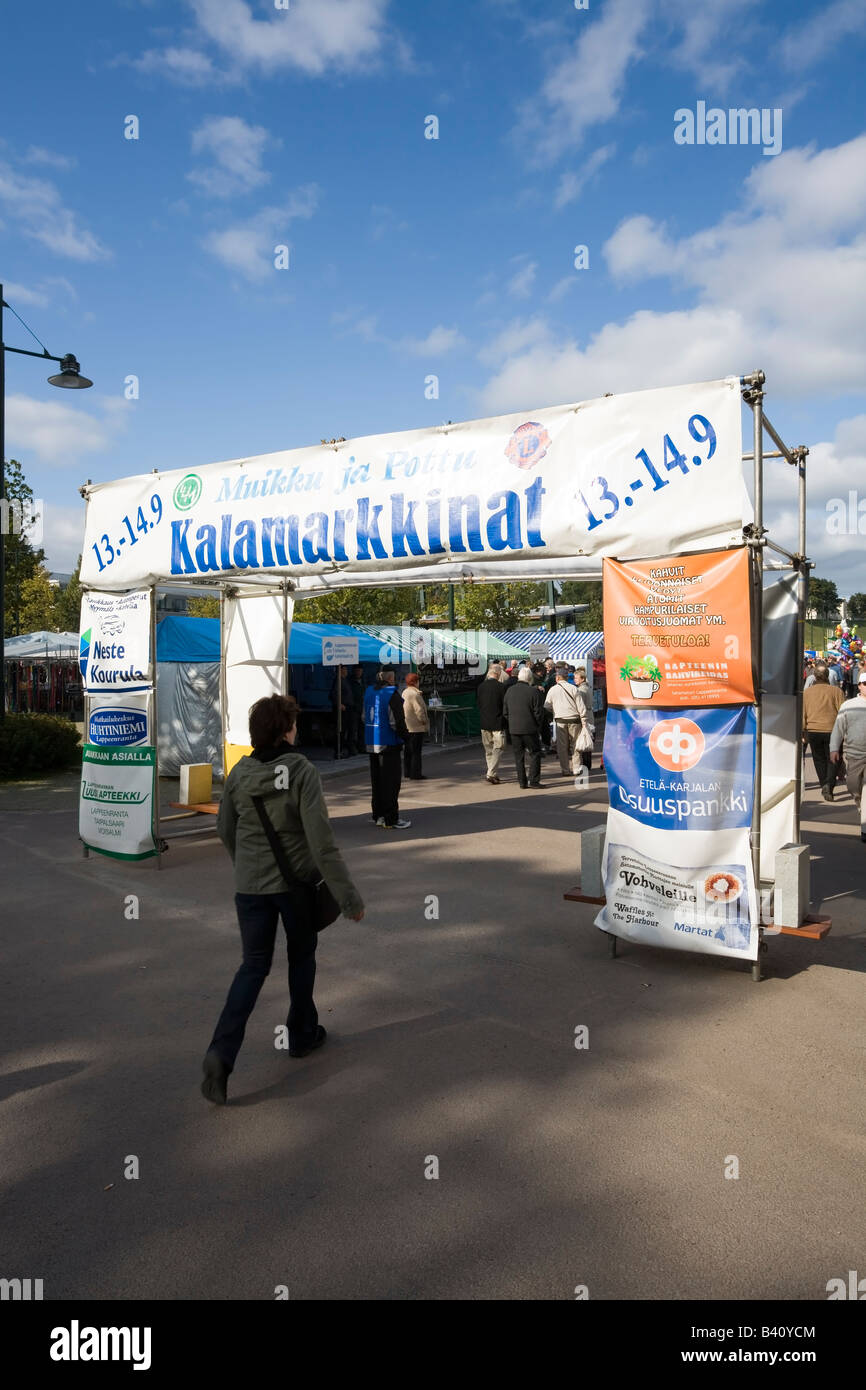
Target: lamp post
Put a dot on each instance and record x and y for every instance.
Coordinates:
(70, 378)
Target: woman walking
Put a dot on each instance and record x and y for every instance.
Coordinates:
(418, 724)
(274, 797)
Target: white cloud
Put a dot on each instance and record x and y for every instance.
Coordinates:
(311, 36)
(62, 535)
(187, 66)
(37, 155)
(41, 294)
(536, 364)
(439, 341)
(248, 246)
(237, 150)
(834, 469)
(573, 182)
(37, 208)
(810, 42)
(520, 284)
(562, 288)
(59, 434)
(791, 265)
(585, 87)
(708, 33)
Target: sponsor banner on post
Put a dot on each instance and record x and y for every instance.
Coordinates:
(339, 651)
(682, 770)
(518, 496)
(122, 721)
(114, 646)
(678, 631)
(116, 809)
(693, 891)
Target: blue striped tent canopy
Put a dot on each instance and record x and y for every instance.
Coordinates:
(565, 645)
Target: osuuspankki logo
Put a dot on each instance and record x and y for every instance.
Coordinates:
(528, 444)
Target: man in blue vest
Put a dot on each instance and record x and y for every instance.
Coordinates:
(384, 732)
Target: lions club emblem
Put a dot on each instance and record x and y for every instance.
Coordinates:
(528, 444)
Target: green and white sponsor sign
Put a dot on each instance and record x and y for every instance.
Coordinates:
(117, 801)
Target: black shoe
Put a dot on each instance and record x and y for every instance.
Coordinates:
(311, 1047)
(536, 785)
(524, 785)
(827, 793)
(216, 1074)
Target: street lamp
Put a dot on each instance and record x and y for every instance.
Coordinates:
(70, 378)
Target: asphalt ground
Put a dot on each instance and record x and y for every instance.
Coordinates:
(451, 1038)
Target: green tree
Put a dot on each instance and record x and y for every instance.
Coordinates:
(375, 606)
(67, 604)
(585, 591)
(203, 607)
(824, 599)
(857, 608)
(501, 607)
(36, 602)
(22, 559)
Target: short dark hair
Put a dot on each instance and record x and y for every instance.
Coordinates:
(270, 718)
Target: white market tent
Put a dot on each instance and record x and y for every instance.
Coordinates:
(43, 646)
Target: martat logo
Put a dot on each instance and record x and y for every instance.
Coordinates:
(84, 652)
(676, 744)
(187, 492)
(528, 444)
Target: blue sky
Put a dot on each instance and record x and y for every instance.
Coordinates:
(410, 256)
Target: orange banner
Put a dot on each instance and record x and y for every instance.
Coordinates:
(678, 630)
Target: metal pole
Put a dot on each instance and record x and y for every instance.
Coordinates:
(451, 606)
(2, 516)
(755, 399)
(802, 587)
(155, 730)
(551, 603)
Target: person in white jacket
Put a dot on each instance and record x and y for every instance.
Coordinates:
(570, 709)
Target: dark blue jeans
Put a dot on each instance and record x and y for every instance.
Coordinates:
(258, 914)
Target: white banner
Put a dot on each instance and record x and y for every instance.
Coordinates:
(116, 810)
(119, 721)
(114, 650)
(705, 901)
(518, 496)
(255, 644)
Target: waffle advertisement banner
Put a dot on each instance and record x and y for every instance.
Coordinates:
(678, 630)
(694, 891)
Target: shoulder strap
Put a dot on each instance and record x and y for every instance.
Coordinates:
(274, 842)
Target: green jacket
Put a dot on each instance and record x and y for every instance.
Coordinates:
(296, 806)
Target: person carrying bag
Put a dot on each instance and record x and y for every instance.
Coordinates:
(274, 822)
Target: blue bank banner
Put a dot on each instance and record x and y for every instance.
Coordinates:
(689, 769)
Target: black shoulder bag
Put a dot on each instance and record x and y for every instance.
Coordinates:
(320, 907)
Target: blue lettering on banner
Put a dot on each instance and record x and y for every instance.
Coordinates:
(682, 769)
(506, 520)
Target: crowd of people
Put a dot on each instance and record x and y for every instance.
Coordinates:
(526, 705)
(834, 728)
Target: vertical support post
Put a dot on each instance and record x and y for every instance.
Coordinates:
(2, 516)
(339, 701)
(284, 684)
(802, 591)
(155, 730)
(451, 607)
(756, 401)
